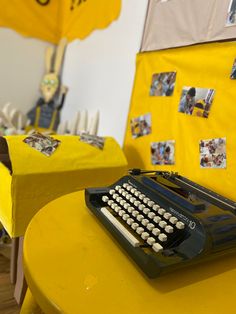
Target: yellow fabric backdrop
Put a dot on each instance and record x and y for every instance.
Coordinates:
(58, 18)
(205, 66)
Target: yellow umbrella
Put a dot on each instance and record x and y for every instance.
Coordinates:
(51, 20)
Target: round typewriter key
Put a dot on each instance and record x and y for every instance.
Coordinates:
(150, 226)
(105, 198)
(141, 207)
(162, 237)
(173, 220)
(146, 200)
(162, 224)
(110, 202)
(128, 196)
(126, 205)
(144, 222)
(112, 192)
(144, 235)
(135, 213)
(155, 207)
(140, 217)
(150, 203)
(121, 202)
(139, 230)
(157, 219)
(125, 217)
(124, 185)
(121, 213)
(117, 187)
(157, 247)
(141, 196)
(167, 216)
(156, 231)
(137, 193)
(161, 211)
(169, 229)
(151, 241)
(130, 209)
(117, 209)
(151, 215)
(133, 190)
(180, 225)
(146, 210)
(134, 225)
(115, 196)
(137, 203)
(130, 221)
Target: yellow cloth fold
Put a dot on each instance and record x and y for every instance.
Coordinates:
(37, 179)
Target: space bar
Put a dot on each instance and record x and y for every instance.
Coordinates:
(120, 227)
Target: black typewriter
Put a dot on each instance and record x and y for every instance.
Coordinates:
(165, 221)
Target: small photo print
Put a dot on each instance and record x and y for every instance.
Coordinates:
(231, 15)
(163, 84)
(196, 101)
(94, 140)
(43, 143)
(163, 153)
(213, 153)
(141, 125)
(233, 72)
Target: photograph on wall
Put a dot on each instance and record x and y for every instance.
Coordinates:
(213, 153)
(163, 153)
(233, 72)
(231, 15)
(196, 101)
(141, 125)
(163, 84)
(43, 143)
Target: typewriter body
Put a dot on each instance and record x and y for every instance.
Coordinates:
(165, 221)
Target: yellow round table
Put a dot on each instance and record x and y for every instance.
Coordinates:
(73, 266)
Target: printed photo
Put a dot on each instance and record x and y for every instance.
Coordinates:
(231, 15)
(213, 153)
(141, 125)
(94, 140)
(233, 72)
(196, 101)
(163, 84)
(43, 143)
(163, 153)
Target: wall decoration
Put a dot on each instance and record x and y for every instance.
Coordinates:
(213, 153)
(231, 16)
(163, 153)
(44, 144)
(196, 101)
(141, 125)
(233, 72)
(163, 84)
(94, 140)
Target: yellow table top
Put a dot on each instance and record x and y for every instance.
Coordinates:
(73, 266)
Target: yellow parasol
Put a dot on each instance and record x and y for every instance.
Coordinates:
(52, 20)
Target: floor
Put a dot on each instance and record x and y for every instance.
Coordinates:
(8, 304)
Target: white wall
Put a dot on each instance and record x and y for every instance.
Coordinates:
(21, 69)
(99, 70)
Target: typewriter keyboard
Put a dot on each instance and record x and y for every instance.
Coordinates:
(143, 222)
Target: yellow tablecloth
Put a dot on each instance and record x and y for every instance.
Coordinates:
(37, 179)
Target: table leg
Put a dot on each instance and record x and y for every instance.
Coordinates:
(13, 263)
(21, 285)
